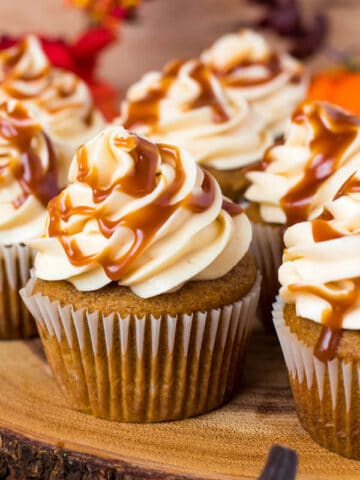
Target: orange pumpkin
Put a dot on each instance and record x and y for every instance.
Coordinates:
(340, 86)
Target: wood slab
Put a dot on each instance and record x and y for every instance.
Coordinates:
(41, 437)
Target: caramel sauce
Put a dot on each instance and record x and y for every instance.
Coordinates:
(323, 231)
(208, 95)
(19, 130)
(144, 222)
(146, 111)
(232, 208)
(340, 305)
(352, 185)
(272, 65)
(332, 136)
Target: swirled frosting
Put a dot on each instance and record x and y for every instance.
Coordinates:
(186, 105)
(321, 269)
(28, 174)
(141, 214)
(60, 100)
(248, 67)
(298, 176)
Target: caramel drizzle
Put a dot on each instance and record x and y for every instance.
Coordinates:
(332, 136)
(331, 333)
(19, 130)
(272, 64)
(146, 111)
(145, 221)
(9, 58)
(340, 304)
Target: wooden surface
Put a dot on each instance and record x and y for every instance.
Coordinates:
(230, 443)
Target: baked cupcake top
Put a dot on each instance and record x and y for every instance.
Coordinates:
(297, 176)
(28, 174)
(141, 214)
(248, 67)
(186, 105)
(59, 99)
(321, 269)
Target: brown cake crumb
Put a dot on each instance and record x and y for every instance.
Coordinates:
(193, 296)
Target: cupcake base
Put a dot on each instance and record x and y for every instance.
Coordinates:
(15, 319)
(144, 368)
(327, 394)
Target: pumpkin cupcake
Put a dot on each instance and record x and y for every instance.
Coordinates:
(186, 105)
(144, 289)
(28, 180)
(317, 319)
(57, 98)
(296, 179)
(248, 67)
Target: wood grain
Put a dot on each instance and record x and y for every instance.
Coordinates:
(229, 443)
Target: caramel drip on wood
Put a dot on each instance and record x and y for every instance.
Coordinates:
(145, 221)
(334, 131)
(19, 130)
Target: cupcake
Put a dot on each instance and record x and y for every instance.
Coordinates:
(144, 289)
(59, 99)
(317, 319)
(295, 180)
(28, 180)
(186, 105)
(248, 67)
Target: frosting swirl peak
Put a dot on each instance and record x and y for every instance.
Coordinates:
(142, 214)
(298, 176)
(186, 105)
(248, 67)
(59, 99)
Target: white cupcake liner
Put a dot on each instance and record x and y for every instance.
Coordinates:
(267, 246)
(144, 369)
(15, 319)
(327, 394)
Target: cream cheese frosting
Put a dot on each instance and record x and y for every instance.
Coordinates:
(186, 105)
(142, 214)
(298, 176)
(321, 269)
(28, 175)
(59, 99)
(247, 67)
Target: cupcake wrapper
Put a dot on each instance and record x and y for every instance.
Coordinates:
(146, 369)
(327, 394)
(15, 319)
(267, 246)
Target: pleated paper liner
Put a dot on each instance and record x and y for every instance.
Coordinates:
(327, 394)
(267, 246)
(15, 319)
(148, 369)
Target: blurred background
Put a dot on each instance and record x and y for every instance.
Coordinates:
(164, 29)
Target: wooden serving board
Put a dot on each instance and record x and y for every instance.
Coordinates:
(41, 437)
